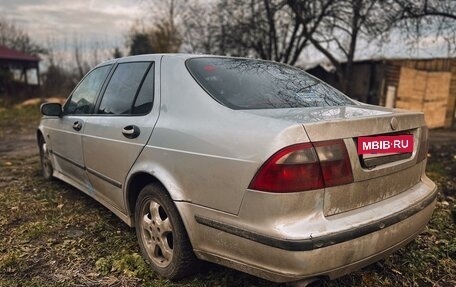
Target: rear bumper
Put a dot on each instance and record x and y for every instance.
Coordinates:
(329, 253)
(324, 240)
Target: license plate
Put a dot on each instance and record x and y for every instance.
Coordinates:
(385, 144)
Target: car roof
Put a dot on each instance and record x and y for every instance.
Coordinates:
(149, 57)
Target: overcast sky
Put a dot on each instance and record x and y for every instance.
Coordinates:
(86, 19)
(108, 21)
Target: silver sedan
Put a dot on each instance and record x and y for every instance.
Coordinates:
(251, 164)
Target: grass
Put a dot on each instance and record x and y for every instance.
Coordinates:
(54, 235)
(18, 120)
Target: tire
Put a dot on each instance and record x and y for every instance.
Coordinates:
(46, 165)
(162, 238)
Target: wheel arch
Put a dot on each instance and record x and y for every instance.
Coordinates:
(135, 183)
(134, 186)
(39, 135)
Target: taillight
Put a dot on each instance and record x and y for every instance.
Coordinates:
(424, 144)
(303, 167)
(335, 163)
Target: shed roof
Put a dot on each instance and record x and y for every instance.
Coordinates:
(10, 54)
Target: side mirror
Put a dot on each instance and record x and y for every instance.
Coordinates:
(51, 109)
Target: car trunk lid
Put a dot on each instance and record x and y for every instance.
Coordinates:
(376, 176)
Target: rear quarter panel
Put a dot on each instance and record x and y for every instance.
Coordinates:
(206, 153)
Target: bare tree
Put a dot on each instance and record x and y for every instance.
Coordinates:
(15, 38)
(345, 22)
(267, 29)
(272, 31)
(443, 9)
(156, 39)
(164, 32)
(214, 27)
(57, 81)
(204, 27)
(164, 38)
(420, 19)
(117, 53)
(281, 30)
(82, 65)
(138, 40)
(341, 26)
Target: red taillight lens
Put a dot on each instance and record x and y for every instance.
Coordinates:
(303, 167)
(291, 169)
(335, 163)
(424, 144)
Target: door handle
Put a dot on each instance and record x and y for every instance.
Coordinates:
(131, 131)
(77, 126)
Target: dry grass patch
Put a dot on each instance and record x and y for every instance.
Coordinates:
(54, 235)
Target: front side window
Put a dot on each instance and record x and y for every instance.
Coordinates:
(121, 92)
(83, 98)
(255, 84)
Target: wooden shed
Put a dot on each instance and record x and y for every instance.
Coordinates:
(16, 61)
(427, 85)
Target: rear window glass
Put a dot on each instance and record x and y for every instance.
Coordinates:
(255, 84)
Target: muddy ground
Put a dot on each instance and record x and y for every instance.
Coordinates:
(53, 235)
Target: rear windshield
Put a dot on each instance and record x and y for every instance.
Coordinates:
(255, 84)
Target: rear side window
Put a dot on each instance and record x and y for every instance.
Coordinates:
(254, 84)
(123, 88)
(144, 100)
(83, 98)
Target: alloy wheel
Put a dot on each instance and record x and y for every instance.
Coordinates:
(157, 233)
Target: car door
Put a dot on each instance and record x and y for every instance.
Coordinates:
(65, 133)
(119, 129)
